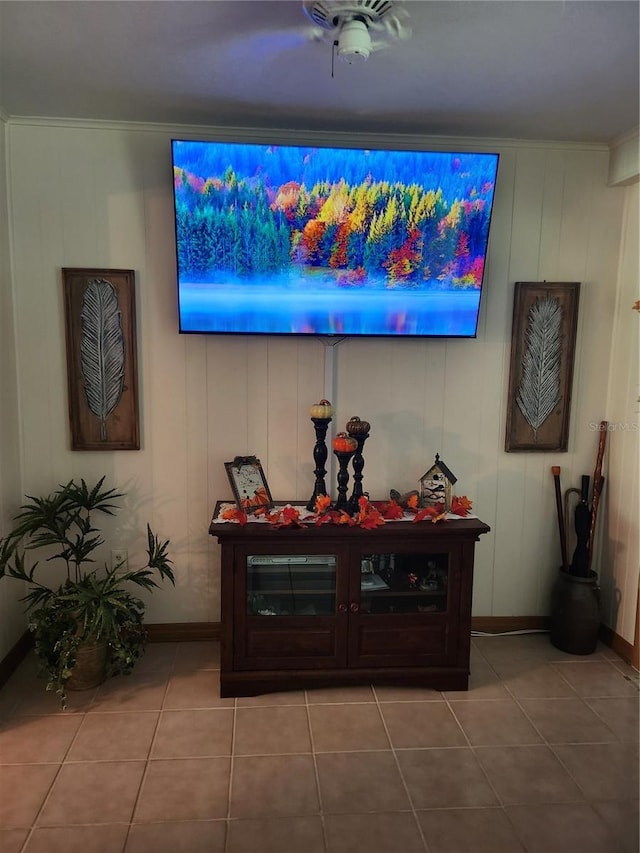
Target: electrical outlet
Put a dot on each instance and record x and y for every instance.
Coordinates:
(120, 559)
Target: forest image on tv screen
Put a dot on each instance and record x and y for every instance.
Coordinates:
(280, 239)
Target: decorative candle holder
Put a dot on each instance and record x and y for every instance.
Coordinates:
(320, 453)
(343, 457)
(360, 431)
(358, 465)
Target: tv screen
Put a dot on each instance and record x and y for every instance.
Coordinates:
(287, 239)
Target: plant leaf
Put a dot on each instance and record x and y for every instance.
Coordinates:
(102, 350)
(539, 390)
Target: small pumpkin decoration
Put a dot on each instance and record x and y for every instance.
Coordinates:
(357, 427)
(344, 443)
(322, 410)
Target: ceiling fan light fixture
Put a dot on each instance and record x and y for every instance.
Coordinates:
(354, 42)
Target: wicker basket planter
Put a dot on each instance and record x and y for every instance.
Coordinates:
(90, 668)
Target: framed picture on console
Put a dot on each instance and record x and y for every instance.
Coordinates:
(249, 484)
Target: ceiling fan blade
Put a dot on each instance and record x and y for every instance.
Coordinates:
(265, 45)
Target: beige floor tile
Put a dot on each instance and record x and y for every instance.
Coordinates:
(390, 693)
(273, 786)
(621, 817)
(197, 689)
(114, 736)
(194, 734)
(472, 830)
(475, 655)
(519, 647)
(136, 692)
(562, 828)
(37, 740)
(566, 721)
(419, 724)
(184, 789)
(158, 657)
(353, 782)
(202, 836)
(276, 835)
(604, 771)
(445, 778)
(185, 803)
(527, 774)
(483, 684)
(271, 731)
(631, 675)
(596, 679)
(23, 788)
(93, 792)
(620, 714)
(198, 655)
(286, 697)
(35, 700)
(12, 840)
(323, 695)
(78, 839)
(347, 727)
(373, 833)
(492, 722)
(533, 679)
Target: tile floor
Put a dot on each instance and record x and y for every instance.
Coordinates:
(540, 755)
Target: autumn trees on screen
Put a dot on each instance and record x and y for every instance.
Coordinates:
(397, 233)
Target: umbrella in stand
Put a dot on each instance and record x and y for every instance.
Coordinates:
(555, 470)
(582, 522)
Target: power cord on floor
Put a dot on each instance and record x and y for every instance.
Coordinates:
(509, 633)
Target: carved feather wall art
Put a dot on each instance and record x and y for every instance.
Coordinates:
(539, 388)
(101, 359)
(545, 317)
(102, 353)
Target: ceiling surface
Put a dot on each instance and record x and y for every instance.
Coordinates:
(546, 69)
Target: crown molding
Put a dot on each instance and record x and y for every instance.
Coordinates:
(624, 160)
(303, 136)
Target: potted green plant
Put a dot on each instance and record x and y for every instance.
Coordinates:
(89, 625)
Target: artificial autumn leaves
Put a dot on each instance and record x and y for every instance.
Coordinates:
(369, 515)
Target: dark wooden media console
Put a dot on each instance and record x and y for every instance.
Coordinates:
(333, 605)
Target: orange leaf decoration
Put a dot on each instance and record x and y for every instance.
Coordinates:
(291, 517)
(323, 502)
(368, 516)
(235, 514)
(392, 511)
(430, 513)
(412, 503)
(273, 517)
(344, 518)
(326, 518)
(461, 505)
(372, 520)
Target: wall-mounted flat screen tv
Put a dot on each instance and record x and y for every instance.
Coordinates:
(287, 239)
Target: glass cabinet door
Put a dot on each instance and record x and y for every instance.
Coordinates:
(404, 583)
(291, 585)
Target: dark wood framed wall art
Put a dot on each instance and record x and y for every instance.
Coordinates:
(543, 340)
(102, 361)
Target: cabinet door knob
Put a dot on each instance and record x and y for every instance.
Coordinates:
(342, 608)
(355, 607)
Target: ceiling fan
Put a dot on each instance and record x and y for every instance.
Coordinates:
(350, 23)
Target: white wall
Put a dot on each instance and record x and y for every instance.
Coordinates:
(620, 559)
(12, 619)
(96, 195)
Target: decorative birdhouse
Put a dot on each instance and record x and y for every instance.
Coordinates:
(435, 486)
